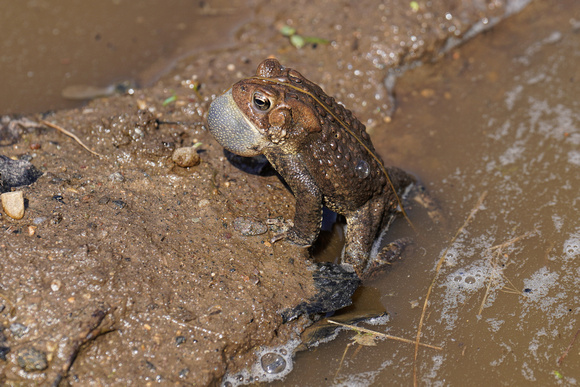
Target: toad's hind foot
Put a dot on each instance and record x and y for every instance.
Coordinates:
(386, 256)
(287, 231)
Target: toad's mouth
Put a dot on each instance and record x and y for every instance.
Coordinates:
(232, 129)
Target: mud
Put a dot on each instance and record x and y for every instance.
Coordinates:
(128, 269)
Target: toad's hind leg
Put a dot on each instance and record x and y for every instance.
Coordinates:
(362, 227)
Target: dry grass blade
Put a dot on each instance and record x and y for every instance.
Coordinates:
(342, 359)
(437, 269)
(72, 135)
(561, 359)
(497, 251)
(354, 327)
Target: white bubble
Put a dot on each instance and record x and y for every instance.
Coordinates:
(271, 364)
(572, 247)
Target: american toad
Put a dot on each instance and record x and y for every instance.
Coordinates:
(320, 149)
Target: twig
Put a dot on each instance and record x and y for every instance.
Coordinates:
(561, 359)
(342, 360)
(365, 330)
(512, 241)
(437, 269)
(72, 135)
(498, 249)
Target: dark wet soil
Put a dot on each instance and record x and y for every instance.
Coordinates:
(128, 269)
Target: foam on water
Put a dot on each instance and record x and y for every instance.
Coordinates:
(460, 285)
(572, 247)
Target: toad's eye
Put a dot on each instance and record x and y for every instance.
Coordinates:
(261, 102)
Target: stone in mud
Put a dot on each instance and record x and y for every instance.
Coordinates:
(186, 157)
(249, 227)
(16, 173)
(117, 177)
(13, 204)
(18, 330)
(31, 359)
(335, 286)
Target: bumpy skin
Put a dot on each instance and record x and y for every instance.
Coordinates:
(320, 149)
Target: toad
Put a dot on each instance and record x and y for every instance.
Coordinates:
(323, 153)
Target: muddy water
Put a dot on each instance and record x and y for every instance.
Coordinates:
(78, 48)
(498, 120)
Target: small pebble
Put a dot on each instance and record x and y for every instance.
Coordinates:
(150, 365)
(186, 157)
(31, 359)
(18, 330)
(56, 218)
(117, 177)
(59, 198)
(104, 200)
(249, 227)
(180, 340)
(39, 220)
(13, 204)
(55, 285)
(119, 204)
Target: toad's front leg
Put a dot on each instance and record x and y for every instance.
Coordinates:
(308, 215)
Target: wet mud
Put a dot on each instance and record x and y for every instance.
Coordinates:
(134, 267)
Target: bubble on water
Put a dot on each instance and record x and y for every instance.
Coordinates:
(271, 364)
(452, 256)
(467, 279)
(540, 284)
(461, 284)
(572, 247)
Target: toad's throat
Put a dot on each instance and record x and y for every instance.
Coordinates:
(232, 129)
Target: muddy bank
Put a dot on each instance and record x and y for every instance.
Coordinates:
(127, 268)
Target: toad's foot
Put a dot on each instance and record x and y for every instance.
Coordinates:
(385, 257)
(286, 230)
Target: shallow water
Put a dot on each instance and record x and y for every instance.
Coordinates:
(496, 120)
(48, 48)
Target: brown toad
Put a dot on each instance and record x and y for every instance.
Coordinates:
(320, 149)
